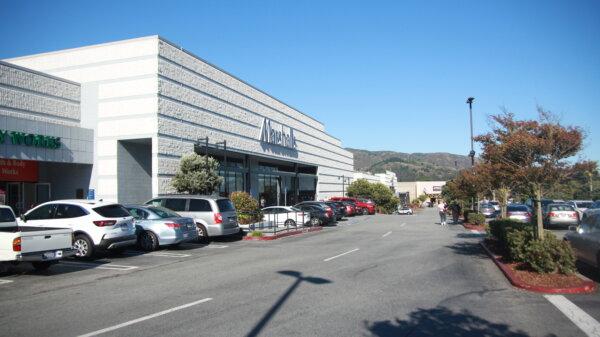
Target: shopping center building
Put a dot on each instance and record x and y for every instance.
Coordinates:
(139, 105)
(44, 152)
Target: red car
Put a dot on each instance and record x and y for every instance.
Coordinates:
(367, 206)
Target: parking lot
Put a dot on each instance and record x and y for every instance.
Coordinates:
(376, 276)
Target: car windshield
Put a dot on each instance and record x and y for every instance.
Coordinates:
(6, 215)
(517, 208)
(112, 211)
(560, 208)
(225, 205)
(585, 204)
(163, 213)
(294, 209)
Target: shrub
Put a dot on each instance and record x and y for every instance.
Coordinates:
(499, 228)
(476, 219)
(550, 255)
(197, 175)
(517, 242)
(247, 207)
(256, 234)
(466, 213)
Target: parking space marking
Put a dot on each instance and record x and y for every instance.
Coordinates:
(5, 281)
(168, 254)
(217, 246)
(402, 225)
(144, 318)
(386, 234)
(342, 254)
(107, 266)
(582, 319)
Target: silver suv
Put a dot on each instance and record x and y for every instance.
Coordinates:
(213, 215)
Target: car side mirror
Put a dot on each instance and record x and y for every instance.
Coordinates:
(573, 228)
(23, 218)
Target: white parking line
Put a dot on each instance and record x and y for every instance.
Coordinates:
(342, 254)
(145, 318)
(217, 246)
(582, 319)
(169, 254)
(108, 266)
(402, 225)
(5, 281)
(386, 234)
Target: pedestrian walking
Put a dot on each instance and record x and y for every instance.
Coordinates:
(442, 210)
(455, 208)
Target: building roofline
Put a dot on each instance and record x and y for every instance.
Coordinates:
(41, 73)
(239, 79)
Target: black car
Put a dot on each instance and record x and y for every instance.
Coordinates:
(338, 208)
(316, 212)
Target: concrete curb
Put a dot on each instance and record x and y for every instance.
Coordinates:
(282, 235)
(589, 286)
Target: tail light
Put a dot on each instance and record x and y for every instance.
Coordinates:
(16, 244)
(105, 223)
(529, 214)
(552, 214)
(218, 218)
(573, 215)
(172, 225)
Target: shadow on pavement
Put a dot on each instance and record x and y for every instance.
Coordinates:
(271, 313)
(469, 249)
(442, 321)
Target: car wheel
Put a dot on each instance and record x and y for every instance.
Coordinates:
(290, 223)
(365, 211)
(148, 241)
(84, 248)
(202, 233)
(41, 265)
(315, 222)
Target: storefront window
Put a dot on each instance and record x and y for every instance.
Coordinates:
(307, 188)
(268, 190)
(233, 182)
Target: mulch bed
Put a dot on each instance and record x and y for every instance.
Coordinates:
(520, 276)
(474, 227)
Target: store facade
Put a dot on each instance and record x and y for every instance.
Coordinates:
(44, 152)
(150, 101)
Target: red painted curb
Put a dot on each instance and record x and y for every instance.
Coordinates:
(589, 287)
(282, 235)
(469, 226)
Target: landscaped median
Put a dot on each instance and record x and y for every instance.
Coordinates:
(545, 266)
(258, 235)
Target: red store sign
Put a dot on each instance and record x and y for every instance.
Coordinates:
(18, 170)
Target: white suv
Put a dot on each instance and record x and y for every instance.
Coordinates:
(95, 224)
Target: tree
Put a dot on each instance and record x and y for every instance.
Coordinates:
(360, 188)
(247, 207)
(384, 198)
(532, 153)
(197, 175)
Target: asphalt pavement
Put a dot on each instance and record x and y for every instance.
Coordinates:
(382, 275)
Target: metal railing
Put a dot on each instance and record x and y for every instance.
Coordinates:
(273, 223)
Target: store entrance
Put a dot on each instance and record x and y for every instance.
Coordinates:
(22, 196)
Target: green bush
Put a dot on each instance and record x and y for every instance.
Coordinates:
(499, 229)
(517, 242)
(256, 234)
(466, 213)
(476, 219)
(247, 207)
(550, 255)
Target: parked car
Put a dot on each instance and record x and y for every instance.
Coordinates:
(213, 215)
(519, 212)
(287, 216)
(363, 204)
(581, 206)
(488, 210)
(157, 226)
(338, 209)
(96, 225)
(318, 214)
(496, 205)
(328, 209)
(40, 246)
(561, 215)
(351, 208)
(585, 239)
(590, 210)
(404, 210)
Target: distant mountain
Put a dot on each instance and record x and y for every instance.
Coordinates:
(410, 166)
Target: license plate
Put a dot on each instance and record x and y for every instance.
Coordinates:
(49, 255)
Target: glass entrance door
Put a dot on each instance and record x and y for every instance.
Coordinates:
(14, 197)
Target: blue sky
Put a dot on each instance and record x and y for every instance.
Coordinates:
(381, 75)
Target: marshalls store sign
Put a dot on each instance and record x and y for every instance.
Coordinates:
(277, 136)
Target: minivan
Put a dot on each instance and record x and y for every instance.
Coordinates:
(213, 215)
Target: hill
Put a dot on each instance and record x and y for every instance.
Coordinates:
(410, 166)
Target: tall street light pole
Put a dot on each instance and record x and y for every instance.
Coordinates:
(472, 153)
